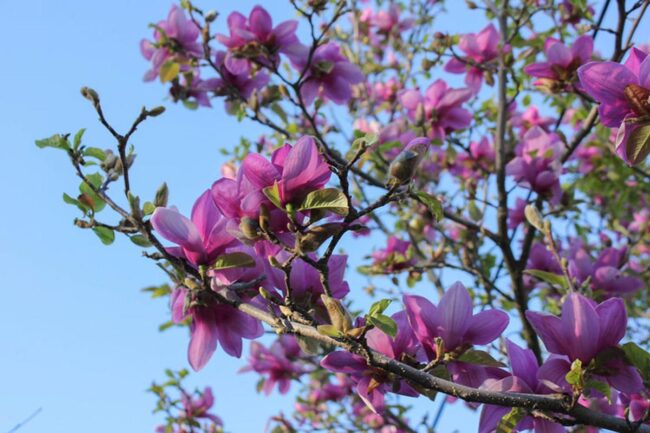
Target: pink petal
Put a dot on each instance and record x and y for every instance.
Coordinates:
(177, 229)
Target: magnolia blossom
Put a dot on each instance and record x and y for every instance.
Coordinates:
(329, 75)
(276, 362)
(623, 92)
(562, 62)
(175, 39)
(537, 165)
(439, 108)
(236, 85)
(212, 324)
(395, 256)
(584, 331)
(200, 239)
(480, 49)
(256, 38)
(371, 384)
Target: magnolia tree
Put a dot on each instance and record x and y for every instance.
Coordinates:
(527, 182)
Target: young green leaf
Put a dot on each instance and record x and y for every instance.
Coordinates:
(233, 260)
(330, 199)
(106, 235)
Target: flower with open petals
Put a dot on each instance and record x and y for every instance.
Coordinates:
(559, 71)
(479, 49)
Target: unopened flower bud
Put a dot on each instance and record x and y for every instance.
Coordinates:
(254, 101)
(265, 218)
(82, 224)
(339, 316)
(534, 217)
(161, 196)
(250, 228)
(315, 237)
(420, 114)
(403, 167)
(156, 111)
(90, 94)
(211, 15)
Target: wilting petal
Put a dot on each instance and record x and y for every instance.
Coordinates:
(373, 399)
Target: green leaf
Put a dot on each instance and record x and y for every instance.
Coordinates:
(57, 141)
(379, 307)
(166, 325)
(329, 330)
(96, 181)
(574, 376)
(233, 260)
(510, 420)
(601, 387)
(639, 358)
(432, 203)
(106, 235)
(76, 141)
(148, 208)
(95, 152)
(140, 241)
(330, 199)
(638, 143)
(168, 71)
(73, 201)
(273, 194)
(549, 277)
(384, 323)
(480, 357)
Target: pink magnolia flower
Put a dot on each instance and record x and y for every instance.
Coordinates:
(277, 363)
(440, 108)
(480, 49)
(470, 166)
(452, 321)
(197, 408)
(623, 92)
(371, 385)
(200, 239)
(234, 85)
(585, 330)
(531, 118)
(256, 38)
(562, 62)
(517, 214)
(329, 75)
(605, 272)
(211, 324)
(296, 170)
(175, 39)
(395, 256)
(537, 163)
(388, 21)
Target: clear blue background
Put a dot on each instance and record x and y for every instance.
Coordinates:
(77, 337)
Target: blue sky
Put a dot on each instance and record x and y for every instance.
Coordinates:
(77, 336)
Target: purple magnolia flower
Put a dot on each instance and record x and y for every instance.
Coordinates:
(388, 21)
(527, 377)
(623, 92)
(197, 408)
(191, 88)
(439, 108)
(296, 170)
(452, 321)
(584, 331)
(212, 324)
(329, 75)
(234, 85)
(517, 214)
(200, 239)
(470, 166)
(371, 384)
(395, 256)
(605, 271)
(256, 38)
(480, 49)
(537, 163)
(559, 71)
(277, 363)
(175, 39)
(531, 118)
